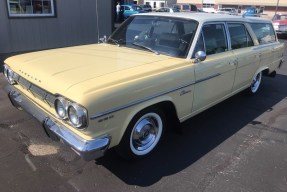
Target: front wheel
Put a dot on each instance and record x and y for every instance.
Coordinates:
(143, 134)
(256, 82)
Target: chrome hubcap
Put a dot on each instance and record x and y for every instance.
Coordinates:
(146, 134)
(256, 82)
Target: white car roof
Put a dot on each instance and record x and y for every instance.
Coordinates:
(209, 17)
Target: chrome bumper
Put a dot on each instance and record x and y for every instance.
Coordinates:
(87, 149)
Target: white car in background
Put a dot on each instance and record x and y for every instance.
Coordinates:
(228, 11)
(209, 10)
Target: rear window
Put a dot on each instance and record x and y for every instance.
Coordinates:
(264, 32)
(280, 17)
(239, 36)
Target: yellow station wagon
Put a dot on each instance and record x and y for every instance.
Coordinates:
(154, 68)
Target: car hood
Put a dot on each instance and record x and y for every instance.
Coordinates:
(58, 70)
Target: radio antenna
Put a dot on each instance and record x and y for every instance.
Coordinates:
(97, 15)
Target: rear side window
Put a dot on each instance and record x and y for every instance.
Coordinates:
(264, 32)
(239, 36)
(214, 38)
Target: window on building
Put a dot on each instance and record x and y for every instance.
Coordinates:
(31, 8)
(207, 5)
(185, 7)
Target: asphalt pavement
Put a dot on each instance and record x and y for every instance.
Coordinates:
(238, 145)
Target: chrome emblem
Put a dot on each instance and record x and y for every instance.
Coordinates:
(29, 76)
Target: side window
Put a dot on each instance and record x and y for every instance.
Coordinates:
(199, 45)
(239, 36)
(214, 38)
(264, 32)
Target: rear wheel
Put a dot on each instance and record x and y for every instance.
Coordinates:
(255, 84)
(143, 134)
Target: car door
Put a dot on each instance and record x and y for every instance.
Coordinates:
(215, 75)
(270, 50)
(267, 43)
(247, 59)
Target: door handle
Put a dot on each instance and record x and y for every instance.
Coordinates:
(235, 62)
(258, 55)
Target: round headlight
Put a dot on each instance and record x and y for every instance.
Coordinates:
(5, 71)
(77, 115)
(61, 107)
(9, 74)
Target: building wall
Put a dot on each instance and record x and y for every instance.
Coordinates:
(156, 4)
(269, 5)
(237, 2)
(189, 1)
(75, 24)
(169, 3)
(253, 2)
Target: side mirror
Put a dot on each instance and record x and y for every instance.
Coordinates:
(200, 56)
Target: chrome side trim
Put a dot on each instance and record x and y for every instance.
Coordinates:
(262, 46)
(150, 97)
(138, 101)
(207, 78)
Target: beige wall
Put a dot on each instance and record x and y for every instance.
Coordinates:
(252, 2)
(269, 10)
(239, 2)
(189, 1)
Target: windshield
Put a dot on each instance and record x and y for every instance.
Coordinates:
(161, 35)
(280, 17)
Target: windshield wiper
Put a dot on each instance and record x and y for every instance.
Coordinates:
(117, 42)
(145, 47)
(114, 41)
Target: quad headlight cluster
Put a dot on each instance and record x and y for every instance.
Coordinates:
(9, 74)
(73, 113)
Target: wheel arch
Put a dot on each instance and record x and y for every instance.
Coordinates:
(165, 104)
(265, 71)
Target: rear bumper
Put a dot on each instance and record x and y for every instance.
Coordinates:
(87, 149)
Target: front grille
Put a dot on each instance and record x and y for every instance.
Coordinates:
(35, 90)
(24, 83)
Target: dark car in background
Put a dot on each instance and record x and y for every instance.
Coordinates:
(166, 9)
(146, 8)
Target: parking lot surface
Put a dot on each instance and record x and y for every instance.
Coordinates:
(238, 145)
